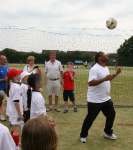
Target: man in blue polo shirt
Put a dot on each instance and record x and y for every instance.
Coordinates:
(3, 78)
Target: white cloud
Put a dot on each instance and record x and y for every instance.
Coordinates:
(91, 13)
(65, 15)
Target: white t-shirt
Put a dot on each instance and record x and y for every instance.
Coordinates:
(24, 89)
(29, 70)
(14, 94)
(37, 105)
(53, 70)
(101, 92)
(6, 141)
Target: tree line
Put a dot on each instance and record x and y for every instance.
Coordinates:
(125, 53)
(123, 57)
(20, 56)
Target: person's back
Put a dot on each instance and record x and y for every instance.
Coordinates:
(39, 134)
(37, 101)
(37, 104)
(6, 141)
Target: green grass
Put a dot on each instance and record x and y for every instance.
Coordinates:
(69, 125)
(122, 86)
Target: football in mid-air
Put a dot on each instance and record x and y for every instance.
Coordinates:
(111, 23)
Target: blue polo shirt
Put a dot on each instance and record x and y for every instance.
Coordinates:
(3, 74)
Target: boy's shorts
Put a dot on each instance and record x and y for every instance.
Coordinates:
(68, 94)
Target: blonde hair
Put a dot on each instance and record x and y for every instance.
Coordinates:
(30, 58)
(38, 134)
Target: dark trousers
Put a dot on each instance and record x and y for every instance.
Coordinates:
(26, 116)
(93, 110)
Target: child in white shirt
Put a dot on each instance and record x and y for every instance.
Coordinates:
(15, 98)
(25, 96)
(37, 106)
(6, 141)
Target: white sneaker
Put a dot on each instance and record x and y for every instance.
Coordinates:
(110, 137)
(83, 140)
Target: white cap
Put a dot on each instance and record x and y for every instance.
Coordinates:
(24, 74)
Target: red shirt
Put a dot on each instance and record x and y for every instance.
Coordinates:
(68, 82)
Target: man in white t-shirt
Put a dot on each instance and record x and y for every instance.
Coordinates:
(98, 97)
(54, 73)
(6, 141)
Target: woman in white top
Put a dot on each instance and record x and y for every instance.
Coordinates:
(37, 104)
(31, 67)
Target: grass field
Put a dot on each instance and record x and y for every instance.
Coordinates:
(69, 125)
(122, 86)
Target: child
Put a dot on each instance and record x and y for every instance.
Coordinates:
(15, 99)
(39, 134)
(68, 86)
(6, 141)
(25, 90)
(37, 106)
(15, 107)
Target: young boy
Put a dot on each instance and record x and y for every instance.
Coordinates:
(15, 98)
(6, 141)
(37, 105)
(68, 85)
(25, 90)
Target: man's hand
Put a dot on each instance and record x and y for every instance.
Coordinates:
(111, 77)
(108, 78)
(118, 71)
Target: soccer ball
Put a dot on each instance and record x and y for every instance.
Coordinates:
(111, 23)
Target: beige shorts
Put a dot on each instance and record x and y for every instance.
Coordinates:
(53, 87)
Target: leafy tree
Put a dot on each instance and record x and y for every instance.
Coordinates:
(125, 53)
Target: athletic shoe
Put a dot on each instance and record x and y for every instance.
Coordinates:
(83, 140)
(110, 137)
(75, 109)
(49, 109)
(2, 118)
(65, 111)
(57, 109)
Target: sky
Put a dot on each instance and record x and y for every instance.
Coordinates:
(64, 24)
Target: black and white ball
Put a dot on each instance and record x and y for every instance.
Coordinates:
(111, 23)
